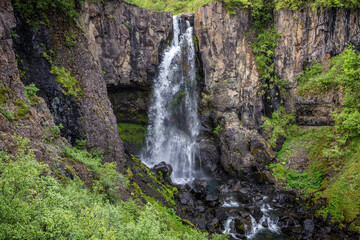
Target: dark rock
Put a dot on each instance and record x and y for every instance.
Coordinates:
(212, 225)
(224, 189)
(186, 199)
(240, 226)
(200, 209)
(163, 170)
(242, 197)
(200, 224)
(261, 178)
(200, 188)
(237, 187)
(189, 17)
(309, 227)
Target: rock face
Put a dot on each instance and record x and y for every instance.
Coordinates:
(231, 94)
(308, 36)
(127, 41)
(87, 116)
(35, 122)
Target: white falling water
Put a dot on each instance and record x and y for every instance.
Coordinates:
(256, 227)
(173, 120)
(227, 227)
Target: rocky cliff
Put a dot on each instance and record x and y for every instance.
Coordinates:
(309, 36)
(231, 97)
(127, 41)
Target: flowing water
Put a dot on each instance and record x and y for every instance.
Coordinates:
(174, 124)
(173, 120)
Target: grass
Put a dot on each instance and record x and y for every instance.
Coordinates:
(332, 173)
(132, 133)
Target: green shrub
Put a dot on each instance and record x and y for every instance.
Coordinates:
(70, 39)
(216, 130)
(33, 205)
(36, 11)
(343, 73)
(297, 4)
(30, 93)
(281, 124)
(8, 114)
(70, 85)
(22, 109)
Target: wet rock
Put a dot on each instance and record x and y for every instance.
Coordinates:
(240, 226)
(189, 17)
(237, 187)
(186, 199)
(242, 197)
(255, 212)
(163, 170)
(200, 188)
(212, 200)
(309, 227)
(224, 189)
(212, 225)
(210, 156)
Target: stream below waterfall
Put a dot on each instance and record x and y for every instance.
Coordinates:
(243, 208)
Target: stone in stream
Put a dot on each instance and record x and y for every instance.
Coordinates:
(212, 200)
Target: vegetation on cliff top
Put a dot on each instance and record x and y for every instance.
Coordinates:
(181, 6)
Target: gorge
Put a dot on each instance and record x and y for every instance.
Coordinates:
(237, 121)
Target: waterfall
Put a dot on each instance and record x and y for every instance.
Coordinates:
(173, 120)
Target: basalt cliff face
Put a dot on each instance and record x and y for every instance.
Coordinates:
(127, 41)
(231, 96)
(308, 36)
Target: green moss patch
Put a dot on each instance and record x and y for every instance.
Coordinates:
(69, 84)
(132, 133)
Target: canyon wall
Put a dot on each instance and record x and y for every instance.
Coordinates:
(127, 41)
(309, 36)
(231, 97)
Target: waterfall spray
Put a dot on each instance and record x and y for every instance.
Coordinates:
(173, 120)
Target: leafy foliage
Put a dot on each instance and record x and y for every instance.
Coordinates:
(343, 73)
(174, 6)
(34, 205)
(30, 93)
(69, 84)
(296, 4)
(36, 11)
(280, 125)
(8, 114)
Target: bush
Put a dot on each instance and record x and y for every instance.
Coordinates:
(297, 4)
(343, 73)
(281, 124)
(36, 11)
(33, 205)
(8, 114)
(30, 93)
(70, 85)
